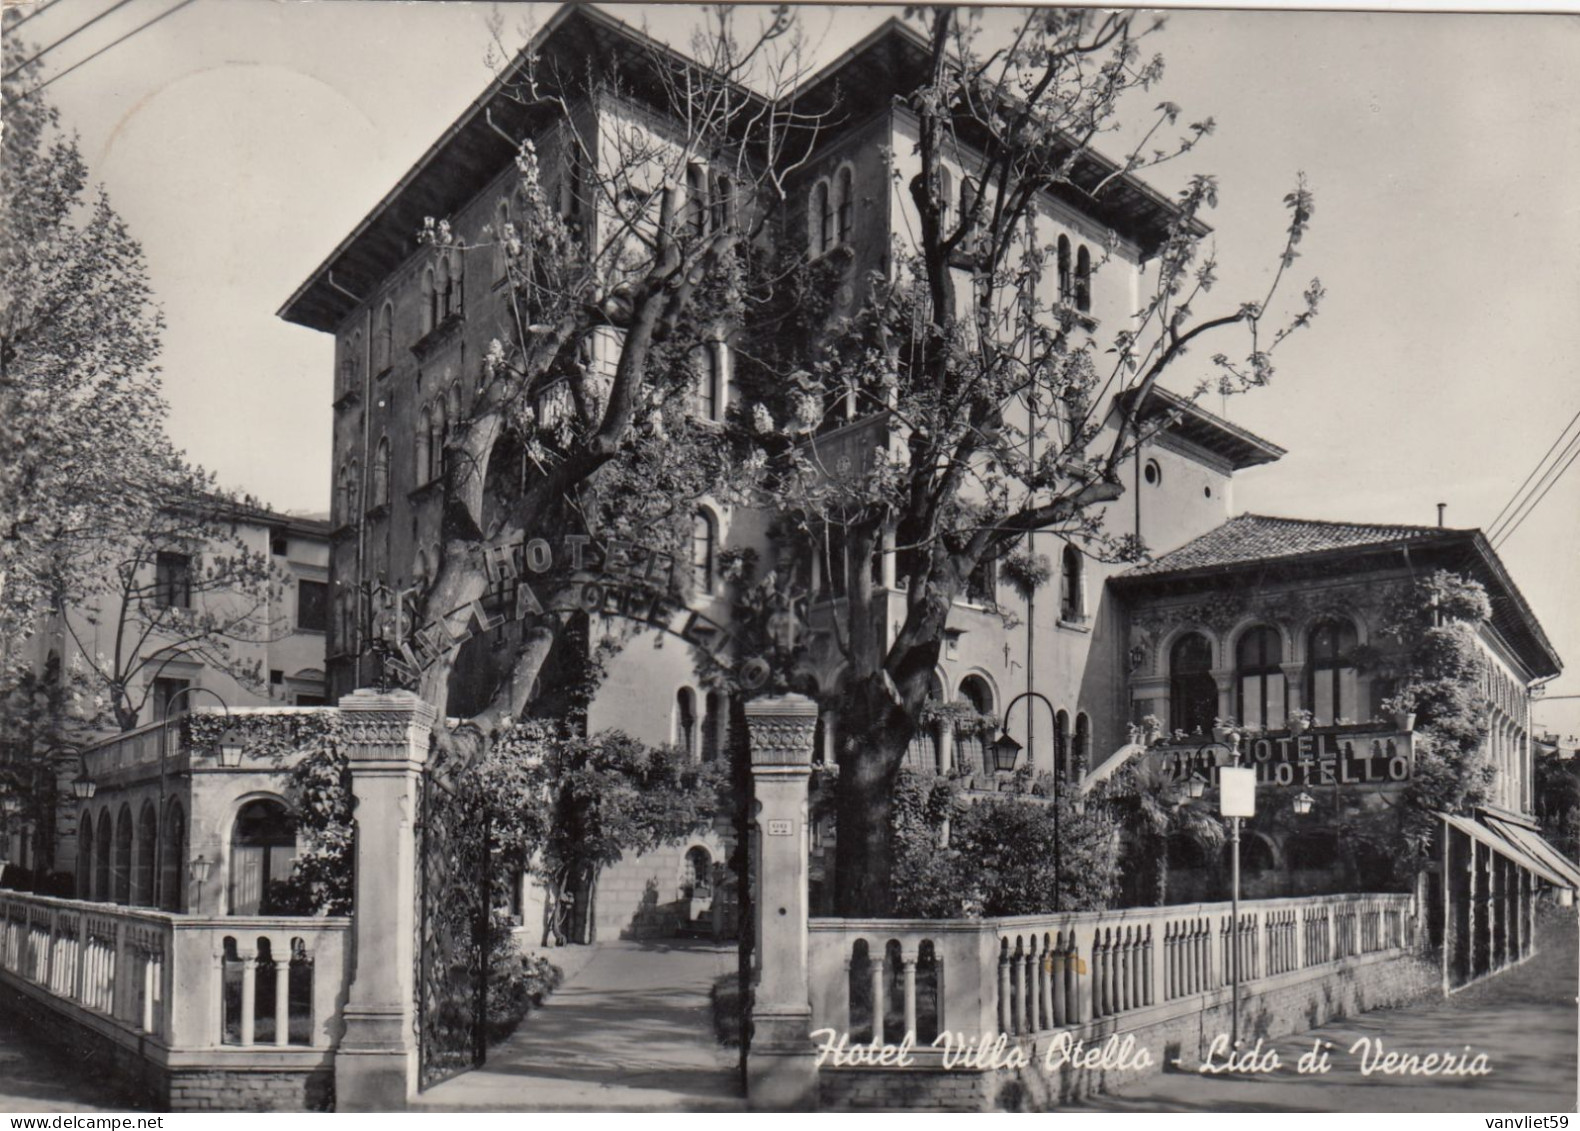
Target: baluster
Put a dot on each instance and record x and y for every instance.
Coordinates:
(1046, 986)
(249, 998)
(1028, 987)
(1127, 954)
(150, 983)
(1059, 976)
(314, 996)
(1078, 987)
(1005, 1008)
(280, 951)
(1100, 984)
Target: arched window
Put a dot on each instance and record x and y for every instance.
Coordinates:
(970, 750)
(1259, 678)
(1083, 280)
(424, 460)
(697, 882)
(436, 435)
(502, 234)
(452, 405)
(262, 847)
(1081, 748)
(845, 211)
(968, 196)
(696, 199)
(85, 855)
(143, 859)
(1062, 766)
(710, 383)
(922, 754)
(715, 725)
(1331, 691)
(1072, 597)
(686, 722)
(348, 372)
(1193, 693)
(446, 292)
(457, 282)
(702, 551)
(104, 845)
(430, 301)
(381, 473)
(172, 857)
(821, 218)
(384, 339)
(1066, 273)
(123, 855)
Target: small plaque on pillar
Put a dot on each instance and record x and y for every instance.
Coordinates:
(781, 828)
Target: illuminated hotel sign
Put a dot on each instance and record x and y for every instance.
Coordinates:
(1346, 756)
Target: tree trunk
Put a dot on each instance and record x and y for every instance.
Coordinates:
(863, 848)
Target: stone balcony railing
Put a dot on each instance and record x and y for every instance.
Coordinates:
(215, 989)
(1033, 974)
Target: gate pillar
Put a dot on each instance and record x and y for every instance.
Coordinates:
(386, 736)
(781, 1071)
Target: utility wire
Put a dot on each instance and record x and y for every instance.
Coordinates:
(1506, 535)
(69, 35)
(46, 5)
(1518, 490)
(1544, 481)
(101, 51)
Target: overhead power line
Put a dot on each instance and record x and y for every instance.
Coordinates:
(38, 11)
(139, 28)
(1507, 534)
(1515, 498)
(119, 4)
(1541, 484)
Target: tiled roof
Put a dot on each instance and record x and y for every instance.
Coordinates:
(1254, 537)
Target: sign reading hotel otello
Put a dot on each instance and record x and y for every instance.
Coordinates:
(1344, 756)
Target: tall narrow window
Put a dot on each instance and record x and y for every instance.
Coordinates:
(165, 691)
(383, 339)
(845, 215)
(686, 722)
(1193, 692)
(104, 849)
(1072, 600)
(381, 473)
(172, 580)
(430, 301)
(1062, 766)
(1083, 280)
(312, 605)
(1066, 273)
(722, 195)
(982, 583)
(710, 382)
(423, 459)
(702, 550)
(970, 751)
(968, 197)
(123, 855)
(696, 200)
(173, 857)
(715, 725)
(822, 218)
(1081, 751)
(85, 855)
(1331, 689)
(143, 858)
(436, 440)
(263, 846)
(446, 291)
(1259, 677)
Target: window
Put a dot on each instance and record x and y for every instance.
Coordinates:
(262, 848)
(502, 235)
(968, 197)
(173, 857)
(1062, 766)
(423, 457)
(312, 605)
(1072, 598)
(1259, 678)
(922, 753)
(723, 200)
(381, 473)
(702, 549)
(1066, 275)
(122, 879)
(709, 402)
(436, 434)
(715, 725)
(982, 584)
(452, 404)
(1081, 748)
(696, 200)
(383, 339)
(143, 859)
(165, 692)
(1152, 473)
(1193, 692)
(1083, 280)
(172, 581)
(821, 219)
(946, 200)
(85, 855)
(845, 213)
(353, 489)
(1331, 689)
(430, 301)
(445, 293)
(686, 722)
(104, 847)
(348, 372)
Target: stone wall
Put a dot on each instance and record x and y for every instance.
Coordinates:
(1178, 1039)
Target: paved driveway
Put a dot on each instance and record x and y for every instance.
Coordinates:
(630, 1030)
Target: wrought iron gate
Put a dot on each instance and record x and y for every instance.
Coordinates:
(453, 929)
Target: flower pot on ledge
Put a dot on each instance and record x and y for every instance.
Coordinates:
(1404, 721)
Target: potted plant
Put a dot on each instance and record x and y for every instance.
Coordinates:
(1151, 730)
(1300, 722)
(1402, 711)
(1223, 730)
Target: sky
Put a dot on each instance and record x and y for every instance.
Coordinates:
(242, 139)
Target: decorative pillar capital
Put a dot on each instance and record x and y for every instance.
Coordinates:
(782, 729)
(386, 726)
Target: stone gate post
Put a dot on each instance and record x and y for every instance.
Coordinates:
(387, 737)
(781, 1072)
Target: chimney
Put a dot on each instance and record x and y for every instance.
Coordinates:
(1441, 507)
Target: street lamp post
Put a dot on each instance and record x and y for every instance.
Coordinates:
(1236, 801)
(1006, 749)
(160, 895)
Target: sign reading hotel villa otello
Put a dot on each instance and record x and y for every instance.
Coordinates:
(1342, 756)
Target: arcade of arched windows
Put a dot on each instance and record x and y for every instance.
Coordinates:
(128, 854)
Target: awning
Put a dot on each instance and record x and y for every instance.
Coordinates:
(1533, 844)
(1505, 848)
